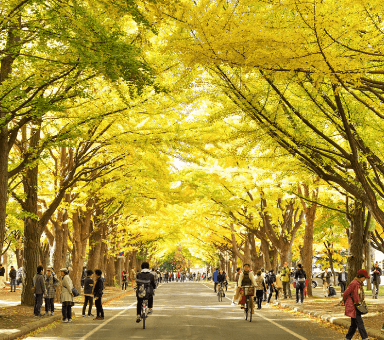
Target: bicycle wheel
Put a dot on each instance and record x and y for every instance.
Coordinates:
(246, 311)
(250, 308)
(218, 295)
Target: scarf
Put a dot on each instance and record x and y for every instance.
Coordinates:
(361, 291)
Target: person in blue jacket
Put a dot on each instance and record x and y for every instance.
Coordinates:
(215, 278)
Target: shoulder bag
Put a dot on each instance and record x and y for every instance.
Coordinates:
(361, 307)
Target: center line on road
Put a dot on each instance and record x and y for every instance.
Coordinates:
(272, 322)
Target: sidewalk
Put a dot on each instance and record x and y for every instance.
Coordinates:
(16, 320)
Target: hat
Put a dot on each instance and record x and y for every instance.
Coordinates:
(363, 272)
(65, 270)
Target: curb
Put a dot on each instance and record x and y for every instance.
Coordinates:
(24, 330)
(334, 320)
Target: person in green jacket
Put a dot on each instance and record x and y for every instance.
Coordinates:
(286, 279)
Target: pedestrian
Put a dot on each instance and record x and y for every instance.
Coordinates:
(300, 277)
(153, 272)
(132, 276)
(270, 280)
(279, 285)
(265, 289)
(354, 295)
(343, 277)
(376, 280)
(326, 277)
(88, 295)
(145, 291)
(40, 290)
(260, 287)
(286, 279)
(51, 283)
(67, 299)
(237, 288)
(215, 278)
(12, 277)
(124, 279)
(98, 294)
(2, 278)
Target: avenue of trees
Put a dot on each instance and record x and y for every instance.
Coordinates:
(188, 133)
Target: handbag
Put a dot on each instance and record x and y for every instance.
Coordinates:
(75, 292)
(361, 307)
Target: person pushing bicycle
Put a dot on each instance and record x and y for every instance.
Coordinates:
(145, 286)
(246, 278)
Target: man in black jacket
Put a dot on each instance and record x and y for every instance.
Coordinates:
(2, 277)
(221, 279)
(145, 286)
(376, 279)
(12, 276)
(343, 277)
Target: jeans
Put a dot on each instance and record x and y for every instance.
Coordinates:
(38, 304)
(375, 288)
(271, 291)
(300, 289)
(140, 301)
(357, 323)
(287, 289)
(342, 286)
(259, 298)
(13, 284)
(49, 304)
(86, 300)
(124, 286)
(99, 308)
(66, 310)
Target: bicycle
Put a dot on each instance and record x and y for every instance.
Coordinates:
(220, 292)
(144, 311)
(248, 308)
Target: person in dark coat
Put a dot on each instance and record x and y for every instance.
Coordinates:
(353, 295)
(300, 277)
(2, 276)
(146, 279)
(98, 294)
(40, 290)
(221, 279)
(12, 277)
(88, 295)
(376, 280)
(343, 277)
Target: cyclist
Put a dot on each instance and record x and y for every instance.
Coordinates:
(246, 278)
(221, 279)
(145, 275)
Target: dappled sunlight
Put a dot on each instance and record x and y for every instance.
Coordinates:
(9, 331)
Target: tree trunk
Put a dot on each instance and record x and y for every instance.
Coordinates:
(95, 243)
(5, 265)
(234, 266)
(264, 245)
(3, 177)
(19, 256)
(367, 255)
(356, 233)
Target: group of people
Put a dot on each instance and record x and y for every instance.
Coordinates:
(44, 287)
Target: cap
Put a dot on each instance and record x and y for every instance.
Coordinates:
(65, 270)
(363, 272)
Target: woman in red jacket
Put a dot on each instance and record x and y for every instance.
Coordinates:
(355, 295)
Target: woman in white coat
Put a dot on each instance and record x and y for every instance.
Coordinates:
(246, 278)
(67, 298)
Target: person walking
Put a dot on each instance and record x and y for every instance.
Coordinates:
(215, 278)
(354, 295)
(270, 280)
(67, 299)
(343, 277)
(326, 277)
(125, 281)
(12, 277)
(88, 295)
(279, 285)
(376, 280)
(2, 278)
(40, 290)
(286, 280)
(300, 277)
(132, 277)
(98, 294)
(49, 298)
(260, 287)
(265, 290)
(236, 296)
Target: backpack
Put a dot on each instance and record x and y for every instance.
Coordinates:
(143, 283)
(271, 278)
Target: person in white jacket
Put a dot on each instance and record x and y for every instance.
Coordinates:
(246, 278)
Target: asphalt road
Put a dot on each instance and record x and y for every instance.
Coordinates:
(188, 311)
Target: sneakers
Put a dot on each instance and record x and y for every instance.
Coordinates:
(267, 304)
(83, 315)
(65, 320)
(233, 304)
(138, 319)
(52, 313)
(98, 318)
(69, 320)
(90, 315)
(150, 311)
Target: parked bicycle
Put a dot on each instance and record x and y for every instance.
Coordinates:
(248, 307)
(220, 291)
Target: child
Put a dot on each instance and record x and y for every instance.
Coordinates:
(98, 293)
(88, 297)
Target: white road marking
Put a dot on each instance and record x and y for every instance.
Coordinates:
(272, 322)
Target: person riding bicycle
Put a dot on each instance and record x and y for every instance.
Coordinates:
(246, 278)
(221, 279)
(145, 280)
